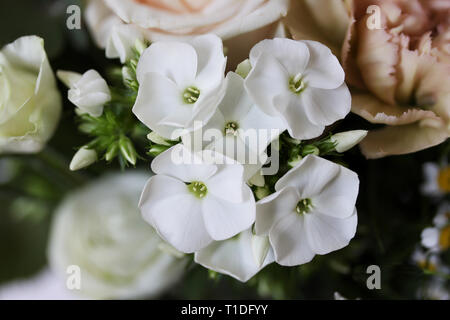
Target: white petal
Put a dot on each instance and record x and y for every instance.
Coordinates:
(225, 219)
(310, 176)
(289, 241)
(236, 103)
(271, 209)
(326, 234)
(260, 248)
(175, 213)
(180, 163)
(292, 110)
(227, 183)
(233, 257)
(211, 61)
(174, 60)
(69, 78)
(324, 107)
(293, 55)
(338, 197)
(158, 97)
(267, 80)
(121, 41)
(324, 70)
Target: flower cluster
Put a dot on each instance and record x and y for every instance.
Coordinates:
(203, 197)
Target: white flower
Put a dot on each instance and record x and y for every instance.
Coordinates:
(312, 211)
(239, 129)
(83, 158)
(43, 286)
(179, 83)
(89, 92)
(301, 81)
(121, 41)
(348, 139)
(193, 201)
(30, 103)
(435, 290)
(426, 260)
(437, 238)
(437, 179)
(99, 229)
(240, 257)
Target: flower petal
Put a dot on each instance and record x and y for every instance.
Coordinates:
(289, 241)
(175, 60)
(324, 70)
(227, 183)
(310, 176)
(225, 219)
(167, 205)
(326, 234)
(338, 198)
(233, 257)
(182, 164)
(271, 209)
(324, 107)
(267, 80)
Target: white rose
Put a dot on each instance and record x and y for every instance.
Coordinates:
(99, 229)
(243, 22)
(30, 104)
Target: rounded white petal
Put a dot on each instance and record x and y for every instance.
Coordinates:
(233, 257)
(289, 241)
(176, 61)
(310, 176)
(267, 80)
(326, 233)
(293, 55)
(324, 70)
(294, 114)
(159, 98)
(175, 213)
(182, 164)
(338, 197)
(227, 183)
(271, 209)
(324, 107)
(69, 78)
(224, 219)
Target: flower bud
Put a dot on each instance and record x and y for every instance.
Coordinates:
(156, 138)
(347, 140)
(84, 157)
(310, 149)
(243, 68)
(127, 150)
(111, 153)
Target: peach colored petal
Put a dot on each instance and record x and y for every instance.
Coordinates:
(376, 111)
(309, 20)
(398, 140)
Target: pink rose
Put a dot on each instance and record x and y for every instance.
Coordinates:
(241, 22)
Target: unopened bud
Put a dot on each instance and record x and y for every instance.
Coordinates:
(84, 157)
(347, 140)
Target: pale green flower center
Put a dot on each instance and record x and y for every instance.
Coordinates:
(198, 189)
(191, 95)
(231, 127)
(296, 83)
(304, 206)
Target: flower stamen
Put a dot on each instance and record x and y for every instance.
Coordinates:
(304, 206)
(296, 83)
(191, 95)
(231, 128)
(198, 188)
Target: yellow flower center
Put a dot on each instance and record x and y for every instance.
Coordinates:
(444, 179)
(426, 265)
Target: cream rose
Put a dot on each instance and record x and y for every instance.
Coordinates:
(30, 103)
(242, 22)
(100, 230)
